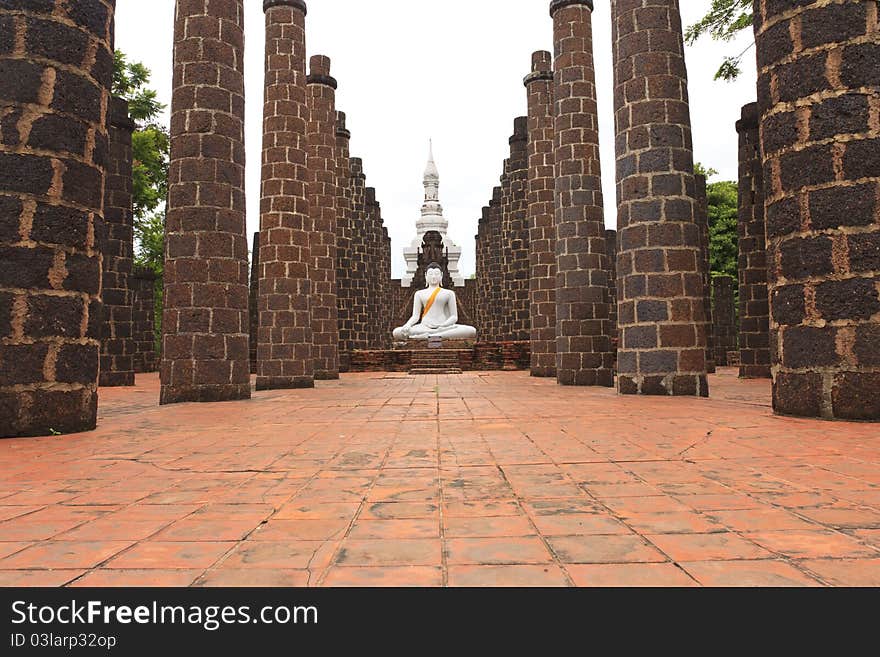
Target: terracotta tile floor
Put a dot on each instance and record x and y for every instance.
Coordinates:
(481, 479)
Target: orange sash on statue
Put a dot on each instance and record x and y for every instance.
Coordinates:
(430, 303)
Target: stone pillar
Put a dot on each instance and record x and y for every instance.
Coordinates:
(385, 318)
(518, 236)
(343, 241)
(584, 355)
(56, 68)
(724, 317)
(205, 325)
(284, 350)
(117, 248)
(482, 272)
(143, 318)
(611, 253)
(754, 304)
(495, 267)
(542, 221)
(360, 291)
(254, 303)
(820, 138)
(322, 204)
(702, 199)
(660, 303)
(504, 250)
(373, 236)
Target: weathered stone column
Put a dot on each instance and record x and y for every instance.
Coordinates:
(482, 271)
(360, 292)
(820, 138)
(518, 237)
(495, 268)
(284, 350)
(660, 307)
(117, 248)
(724, 317)
(611, 253)
(322, 204)
(143, 319)
(584, 355)
(754, 304)
(542, 220)
(205, 325)
(343, 241)
(56, 68)
(702, 199)
(254, 303)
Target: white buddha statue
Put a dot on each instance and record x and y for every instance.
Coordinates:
(435, 313)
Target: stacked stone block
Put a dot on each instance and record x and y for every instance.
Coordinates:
(584, 354)
(284, 350)
(117, 248)
(724, 318)
(660, 288)
(484, 284)
(143, 318)
(820, 136)
(754, 304)
(56, 68)
(205, 324)
(323, 194)
(343, 241)
(702, 199)
(254, 303)
(541, 216)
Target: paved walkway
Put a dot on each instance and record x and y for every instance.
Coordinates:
(477, 479)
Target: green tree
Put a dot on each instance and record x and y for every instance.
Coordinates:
(723, 236)
(150, 150)
(724, 20)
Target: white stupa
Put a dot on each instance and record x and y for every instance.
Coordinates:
(432, 219)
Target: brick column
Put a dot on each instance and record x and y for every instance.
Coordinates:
(482, 272)
(284, 350)
(56, 68)
(143, 319)
(660, 303)
(505, 319)
(754, 304)
(205, 325)
(702, 199)
(372, 236)
(518, 236)
(542, 221)
(117, 248)
(322, 204)
(820, 138)
(254, 303)
(584, 355)
(343, 241)
(495, 267)
(359, 266)
(611, 253)
(724, 317)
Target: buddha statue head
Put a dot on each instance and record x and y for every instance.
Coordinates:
(433, 275)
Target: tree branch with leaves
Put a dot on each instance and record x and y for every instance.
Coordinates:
(724, 21)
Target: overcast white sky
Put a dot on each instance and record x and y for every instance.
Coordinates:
(452, 70)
